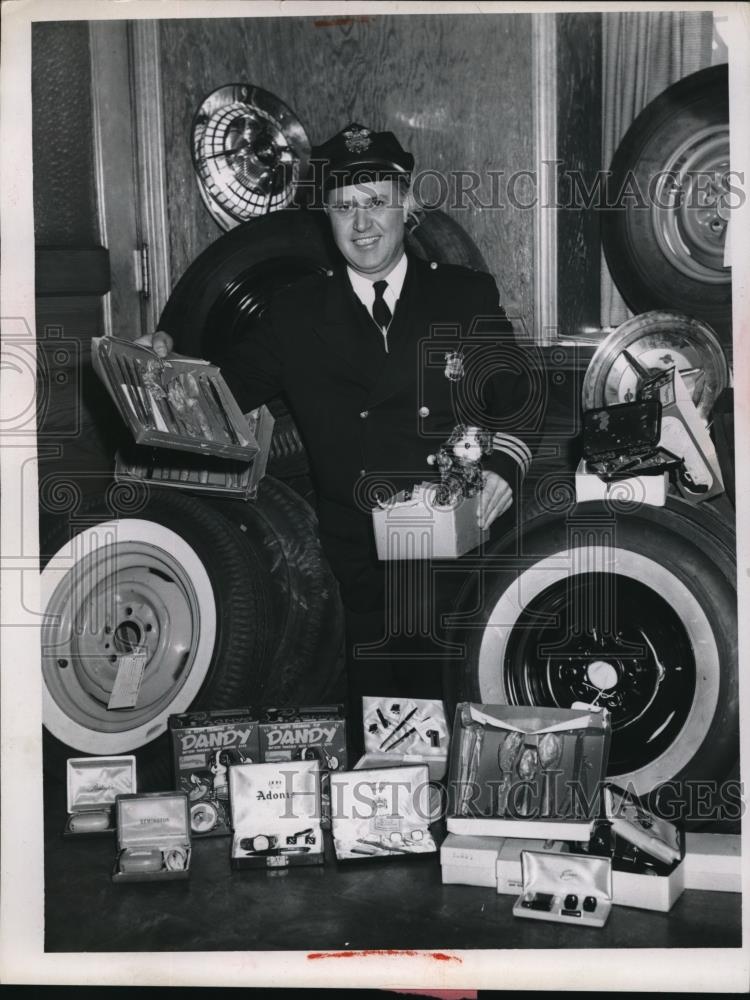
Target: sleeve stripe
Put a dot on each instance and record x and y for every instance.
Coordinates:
(515, 448)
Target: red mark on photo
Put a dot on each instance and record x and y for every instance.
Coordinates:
(435, 956)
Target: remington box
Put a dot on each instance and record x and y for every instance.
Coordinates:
(521, 771)
(153, 837)
(381, 813)
(204, 745)
(93, 783)
(276, 814)
(315, 732)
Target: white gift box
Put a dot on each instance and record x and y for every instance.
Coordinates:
(713, 861)
(413, 527)
(648, 891)
(651, 489)
(469, 860)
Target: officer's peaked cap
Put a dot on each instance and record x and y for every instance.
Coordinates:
(357, 154)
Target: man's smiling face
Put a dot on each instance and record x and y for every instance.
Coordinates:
(367, 221)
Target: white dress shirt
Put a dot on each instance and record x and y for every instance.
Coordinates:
(365, 292)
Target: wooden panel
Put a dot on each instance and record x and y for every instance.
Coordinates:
(456, 89)
(579, 144)
(72, 271)
(64, 191)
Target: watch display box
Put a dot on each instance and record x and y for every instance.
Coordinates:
(519, 771)
(276, 815)
(569, 889)
(411, 525)
(204, 746)
(153, 837)
(381, 813)
(93, 784)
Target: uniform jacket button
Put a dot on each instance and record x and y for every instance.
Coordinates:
(424, 411)
(433, 265)
(365, 414)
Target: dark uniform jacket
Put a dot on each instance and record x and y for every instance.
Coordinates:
(370, 419)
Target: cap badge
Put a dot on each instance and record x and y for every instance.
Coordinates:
(454, 366)
(357, 139)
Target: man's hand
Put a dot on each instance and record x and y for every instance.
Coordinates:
(160, 342)
(494, 500)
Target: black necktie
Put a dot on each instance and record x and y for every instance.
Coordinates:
(380, 311)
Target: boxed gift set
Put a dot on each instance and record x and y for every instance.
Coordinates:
(565, 888)
(520, 771)
(204, 745)
(647, 852)
(402, 731)
(381, 813)
(93, 783)
(153, 837)
(276, 814)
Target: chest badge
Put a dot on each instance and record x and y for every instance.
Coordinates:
(454, 366)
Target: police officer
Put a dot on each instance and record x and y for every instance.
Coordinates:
(379, 360)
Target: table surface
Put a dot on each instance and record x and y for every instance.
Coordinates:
(394, 904)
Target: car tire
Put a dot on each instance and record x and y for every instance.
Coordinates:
(664, 578)
(151, 569)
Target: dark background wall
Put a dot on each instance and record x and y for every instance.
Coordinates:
(457, 90)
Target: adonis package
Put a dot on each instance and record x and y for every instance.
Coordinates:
(276, 814)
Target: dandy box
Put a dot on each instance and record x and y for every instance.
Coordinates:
(276, 814)
(93, 783)
(204, 745)
(153, 837)
(381, 813)
(520, 771)
(412, 525)
(315, 732)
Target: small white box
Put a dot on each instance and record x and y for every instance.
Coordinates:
(648, 891)
(508, 873)
(415, 528)
(651, 490)
(470, 860)
(713, 861)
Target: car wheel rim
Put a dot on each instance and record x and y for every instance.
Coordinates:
(593, 649)
(690, 208)
(117, 588)
(519, 662)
